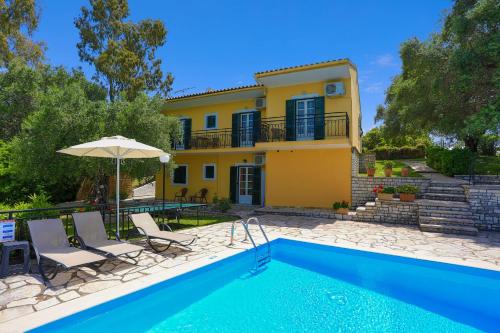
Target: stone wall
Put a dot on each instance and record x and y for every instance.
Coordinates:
(484, 201)
(481, 179)
(362, 186)
(393, 211)
(364, 159)
(355, 163)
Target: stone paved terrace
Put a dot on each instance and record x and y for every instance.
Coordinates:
(25, 294)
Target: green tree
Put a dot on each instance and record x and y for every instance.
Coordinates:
(372, 139)
(449, 83)
(23, 86)
(18, 21)
(122, 52)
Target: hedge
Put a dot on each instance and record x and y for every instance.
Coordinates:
(450, 162)
(396, 153)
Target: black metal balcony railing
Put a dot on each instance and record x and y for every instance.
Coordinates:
(334, 125)
(271, 130)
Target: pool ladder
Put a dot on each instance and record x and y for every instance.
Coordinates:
(259, 260)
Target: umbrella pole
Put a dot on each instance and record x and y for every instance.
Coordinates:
(118, 196)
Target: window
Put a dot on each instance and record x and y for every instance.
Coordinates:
(209, 171)
(180, 175)
(211, 121)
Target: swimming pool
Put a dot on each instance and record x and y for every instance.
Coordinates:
(305, 288)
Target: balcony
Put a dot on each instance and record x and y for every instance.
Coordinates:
(332, 125)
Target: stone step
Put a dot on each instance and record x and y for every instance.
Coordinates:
(458, 206)
(445, 196)
(449, 229)
(447, 184)
(466, 214)
(445, 220)
(442, 189)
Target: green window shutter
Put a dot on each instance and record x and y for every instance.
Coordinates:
(256, 126)
(235, 130)
(319, 118)
(290, 122)
(256, 186)
(187, 133)
(233, 184)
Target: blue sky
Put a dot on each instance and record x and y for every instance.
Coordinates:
(220, 44)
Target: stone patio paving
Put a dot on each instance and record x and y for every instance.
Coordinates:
(25, 294)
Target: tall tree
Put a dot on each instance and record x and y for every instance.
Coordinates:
(122, 52)
(18, 21)
(450, 83)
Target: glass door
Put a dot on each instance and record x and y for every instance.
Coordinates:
(305, 119)
(180, 144)
(245, 184)
(246, 130)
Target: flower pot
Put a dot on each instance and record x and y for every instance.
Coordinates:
(405, 172)
(370, 172)
(385, 196)
(388, 172)
(406, 197)
(343, 211)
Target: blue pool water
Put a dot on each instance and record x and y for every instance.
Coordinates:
(306, 288)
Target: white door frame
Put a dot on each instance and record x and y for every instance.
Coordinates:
(245, 198)
(305, 121)
(248, 130)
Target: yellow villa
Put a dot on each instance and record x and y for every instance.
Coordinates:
(292, 139)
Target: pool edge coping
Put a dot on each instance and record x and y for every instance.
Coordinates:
(62, 310)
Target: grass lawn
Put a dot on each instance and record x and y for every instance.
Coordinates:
(396, 169)
(487, 165)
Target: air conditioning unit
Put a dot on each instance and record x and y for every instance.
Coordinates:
(260, 160)
(334, 89)
(260, 103)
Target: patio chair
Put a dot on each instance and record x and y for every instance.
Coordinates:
(52, 247)
(201, 195)
(147, 227)
(91, 234)
(181, 195)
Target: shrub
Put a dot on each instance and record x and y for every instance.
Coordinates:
(394, 153)
(488, 144)
(452, 162)
(388, 165)
(338, 205)
(408, 189)
(222, 205)
(370, 165)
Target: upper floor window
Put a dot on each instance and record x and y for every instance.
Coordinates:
(211, 121)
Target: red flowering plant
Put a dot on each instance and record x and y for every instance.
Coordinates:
(381, 189)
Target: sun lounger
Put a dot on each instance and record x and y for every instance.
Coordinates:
(90, 233)
(147, 227)
(52, 248)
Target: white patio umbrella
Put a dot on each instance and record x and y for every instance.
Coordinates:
(117, 147)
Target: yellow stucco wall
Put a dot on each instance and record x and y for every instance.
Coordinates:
(224, 113)
(308, 178)
(219, 186)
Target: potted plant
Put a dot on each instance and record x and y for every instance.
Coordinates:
(370, 169)
(405, 171)
(341, 207)
(407, 192)
(384, 193)
(388, 169)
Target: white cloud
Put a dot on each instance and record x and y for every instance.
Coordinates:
(374, 88)
(385, 60)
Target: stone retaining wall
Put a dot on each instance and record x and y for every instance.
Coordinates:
(362, 186)
(484, 201)
(364, 159)
(393, 211)
(481, 179)
(355, 163)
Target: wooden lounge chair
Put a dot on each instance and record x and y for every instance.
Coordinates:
(181, 195)
(147, 227)
(91, 234)
(53, 250)
(201, 195)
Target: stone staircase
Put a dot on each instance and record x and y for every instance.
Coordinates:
(444, 209)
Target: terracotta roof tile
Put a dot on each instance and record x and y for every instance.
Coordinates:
(214, 91)
(300, 66)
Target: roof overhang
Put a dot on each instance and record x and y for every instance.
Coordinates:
(224, 96)
(305, 74)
